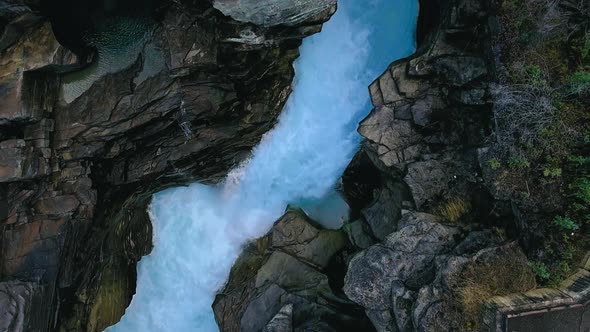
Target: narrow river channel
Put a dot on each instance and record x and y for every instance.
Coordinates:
(199, 230)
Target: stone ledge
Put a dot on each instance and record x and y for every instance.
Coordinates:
(573, 293)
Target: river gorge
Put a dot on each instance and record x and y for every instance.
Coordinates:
(293, 165)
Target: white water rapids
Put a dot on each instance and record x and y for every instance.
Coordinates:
(199, 230)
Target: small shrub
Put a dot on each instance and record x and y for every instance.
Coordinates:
(453, 209)
(521, 114)
(553, 172)
(534, 71)
(566, 223)
(541, 270)
(582, 190)
(494, 164)
(535, 75)
(579, 82)
(579, 161)
(582, 46)
(565, 268)
(500, 232)
(585, 49)
(577, 13)
(518, 162)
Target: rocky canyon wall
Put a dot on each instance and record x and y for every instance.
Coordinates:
(76, 177)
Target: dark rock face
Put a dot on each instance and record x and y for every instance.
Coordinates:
(406, 256)
(275, 286)
(76, 178)
(404, 284)
(431, 118)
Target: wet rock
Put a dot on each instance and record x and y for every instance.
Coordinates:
(21, 162)
(11, 160)
(360, 181)
(298, 236)
(288, 272)
(20, 86)
(357, 235)
(261, 309)
(58, 205)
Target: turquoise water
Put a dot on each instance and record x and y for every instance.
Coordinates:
(199, 230)
(118, 43)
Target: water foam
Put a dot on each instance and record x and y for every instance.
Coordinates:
(199, 230)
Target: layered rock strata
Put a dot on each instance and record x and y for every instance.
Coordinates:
(76, 177)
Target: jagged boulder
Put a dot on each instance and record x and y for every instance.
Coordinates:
(406, 256)
(415, 281)
(281, 322)
(285, 280)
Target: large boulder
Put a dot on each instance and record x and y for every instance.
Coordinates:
(286, 280)
(406, 256)
(299, 236)
(415, 282)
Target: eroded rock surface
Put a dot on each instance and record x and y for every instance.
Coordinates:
(275, 287)
(274, 12)
(76, 175)
(408, 282)
(421, 221)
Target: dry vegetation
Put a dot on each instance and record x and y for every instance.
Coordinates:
(482, 281)
(541, 150)
(453, 209)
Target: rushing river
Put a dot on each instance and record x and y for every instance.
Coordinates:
(199, 230)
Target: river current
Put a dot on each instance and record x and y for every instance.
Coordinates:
(199, 230)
